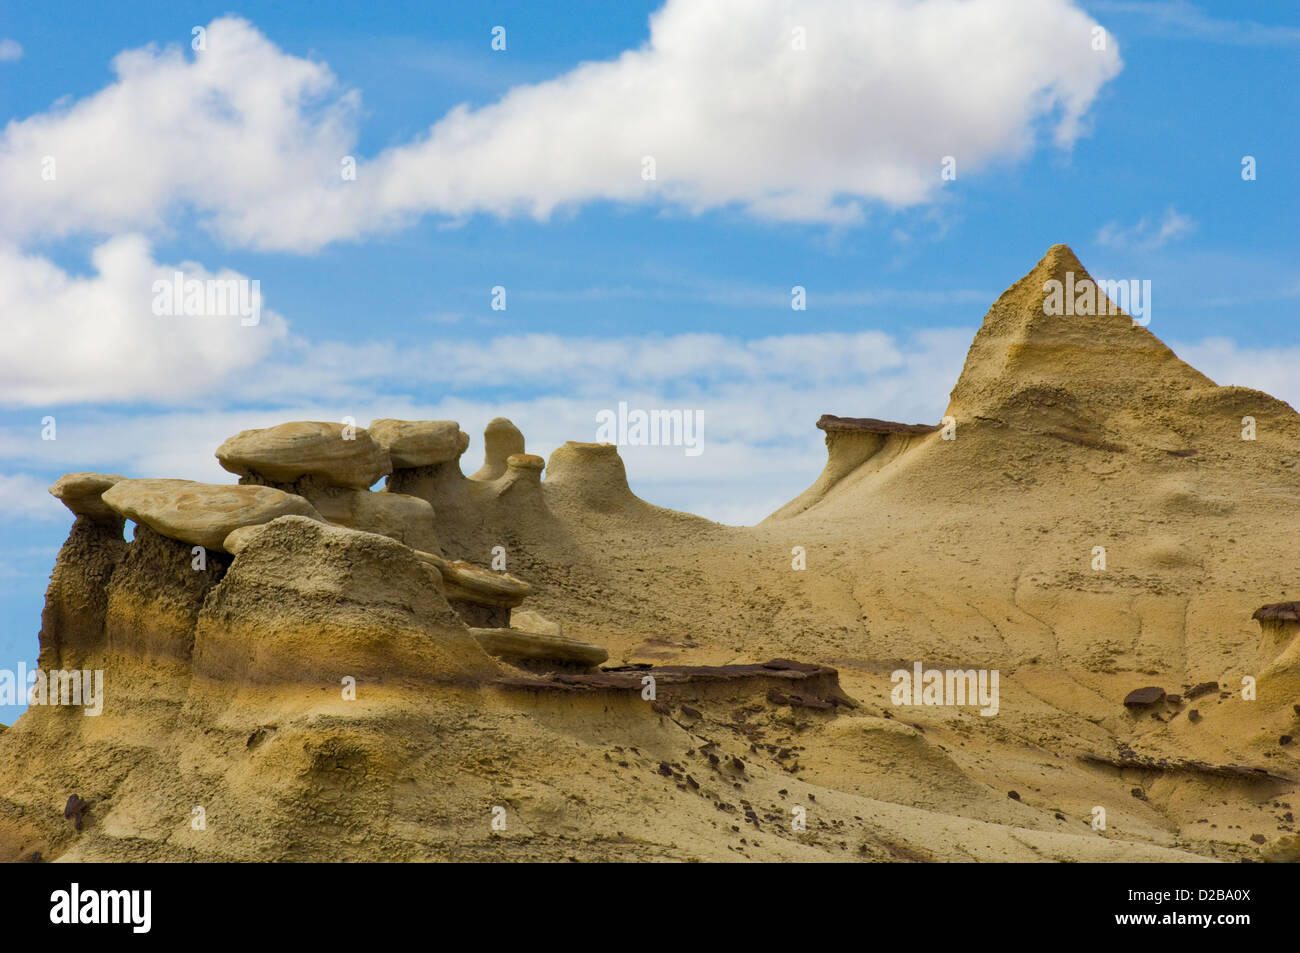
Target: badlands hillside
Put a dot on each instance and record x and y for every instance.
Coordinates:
(321, 671)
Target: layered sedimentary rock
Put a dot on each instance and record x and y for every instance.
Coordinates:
(154, 599)
(407, 519)
(529, 620)
(76, 602)
(1102, 519)
(440, 483)
(481, 596)
(524, 468)
(323, 602)
(530, 648)
(333, 466)
(1279, 624)
(850, 443)
(1023, 347)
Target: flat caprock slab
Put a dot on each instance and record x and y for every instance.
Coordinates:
(829, 423)
(804, 680)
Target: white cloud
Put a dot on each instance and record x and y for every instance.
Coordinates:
(759, 405)
(1179, 18)
(10, 50)
(70, 338)
(603, 370)
(242, 131)
(251, 139)
(26, 497)
(1224, 361)
(1147, 235)
(759, 400)
(733, 114)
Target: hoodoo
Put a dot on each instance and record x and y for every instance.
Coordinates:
(338, 455)
(850, 443)
(360, 675)
(500, 440)
(591, 474)
(201, 513)
(419, 443)
(82, 492)
(332, 466)
(1279, 623)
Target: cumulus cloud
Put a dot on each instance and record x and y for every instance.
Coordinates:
(1147, 234)
(230, 130)
(733, 112)
(10, 50)
(26, 497)
(723, 98)
(97, 338)
(803, 114)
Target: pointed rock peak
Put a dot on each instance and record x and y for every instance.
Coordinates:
(1058, 331)
(1058, 260)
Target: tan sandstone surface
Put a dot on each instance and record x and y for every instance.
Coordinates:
(968, 543)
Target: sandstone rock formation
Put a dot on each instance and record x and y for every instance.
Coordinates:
(529, 620)
(407, 519)
(532, 647)
(419, 443)
(850, 443)
(590, 473)
(1279, 623)
(321, 602)
(201, 513)
(339, 455)
(481, 596)
(501, 439)
(1097, 524)
(332, 466)
(82, 492)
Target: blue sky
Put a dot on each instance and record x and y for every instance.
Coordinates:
(675, 294)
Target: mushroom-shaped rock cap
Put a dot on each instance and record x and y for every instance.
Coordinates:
(341, 455)
(525, 461)
(419, 443)
(501, 438)
(202, 513)
(527, 466)
(1278, 612)
(82, 492)
(832, 424)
